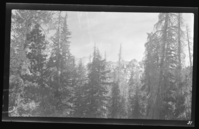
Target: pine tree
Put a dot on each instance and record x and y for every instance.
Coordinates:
(167, 65)
(61, 68)
(35, 47)
(105, 83)
(96, 86)
(169, 61)
(130, 98)
(67, 68)
(183, 95)
(136, 111)
(135, 108)
(183, 111)
(23, 21)
(53, 70)
(163, 68)
(80, 91)
(151, 71)
(116, 100)
(179, 97)
(122, 112)
(117, 106)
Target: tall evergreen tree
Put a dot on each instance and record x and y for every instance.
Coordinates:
(61, 68)
(116, 100)
(130, 97)
(117, 106)
(23, 22)
(179, 97)
(168, 47)
(35, 47)
(136, 111)
(80, 91)
(182, 78)
(163, 68)
(136, 108)
(97, 86)
(167, 65)
(151, 71)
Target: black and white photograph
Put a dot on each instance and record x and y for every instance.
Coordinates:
(117, 65)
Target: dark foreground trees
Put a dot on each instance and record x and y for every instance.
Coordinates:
(163, 69)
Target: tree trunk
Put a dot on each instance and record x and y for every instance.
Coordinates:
(187, 29)
(58, 56)
(155, 101)
(179, 50)
(58, 66)
(179, 41)
(161, 79)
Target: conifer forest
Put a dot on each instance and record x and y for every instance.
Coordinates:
(47, 80)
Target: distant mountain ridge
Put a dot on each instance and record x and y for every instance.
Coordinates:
(85, 60)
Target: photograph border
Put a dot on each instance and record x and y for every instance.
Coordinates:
(95, 8)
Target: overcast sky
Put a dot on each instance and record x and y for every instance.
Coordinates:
(110, 29)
